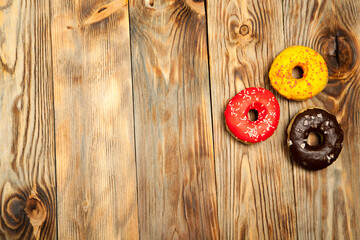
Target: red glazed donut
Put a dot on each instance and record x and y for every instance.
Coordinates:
(238, 122)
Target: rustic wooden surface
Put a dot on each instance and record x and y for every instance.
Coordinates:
(27, 143)
(112, 127)
(254, 183)
(174, 146)
(327, 205)
(95, 154)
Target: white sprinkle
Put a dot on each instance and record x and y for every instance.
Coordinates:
(289, 142)
(243, 118)
(306, 122)
(302, 145)
(325, 132)
(328, 157)
(327, 123)
(306, 116)
(252, 132)
(312, 117)
(319, 115)
(331, 155)
(272, 113)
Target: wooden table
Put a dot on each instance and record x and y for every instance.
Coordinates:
(112, 127)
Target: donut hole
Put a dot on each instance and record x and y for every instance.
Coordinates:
(297, 72)
(253, 115)
(314, 139)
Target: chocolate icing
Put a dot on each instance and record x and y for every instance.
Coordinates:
(323, 123)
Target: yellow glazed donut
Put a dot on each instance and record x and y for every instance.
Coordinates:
(315, 73)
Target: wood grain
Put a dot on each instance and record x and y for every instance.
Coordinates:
(94, 121)
(327, 201)
(137, 117)
(254, 182)
(175, 164)
(27, 162)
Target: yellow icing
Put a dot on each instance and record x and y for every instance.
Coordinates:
(315, 75)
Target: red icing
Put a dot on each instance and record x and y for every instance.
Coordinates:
(238, 122)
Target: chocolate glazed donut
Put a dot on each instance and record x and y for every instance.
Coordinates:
(325, 125)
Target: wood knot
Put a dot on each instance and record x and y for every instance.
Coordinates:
(12, 215)
(149, 3)
(339, 51)
(13, 212)
(197, 6)
(36, 213)
(85, 205)
(244, 30)
(234, 27)
(26, 212)
(239, 31)
(35, 210)
(101, 9)
(105, 11)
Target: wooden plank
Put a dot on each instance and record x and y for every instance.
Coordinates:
(94, 120)
(327, 200)
(254, 182)
(27, 160)
(175, 165)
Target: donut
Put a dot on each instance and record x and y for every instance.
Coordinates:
(324, 124)
(238, 122)
(314, 77)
